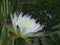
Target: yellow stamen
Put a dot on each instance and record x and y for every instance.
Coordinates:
(25, 24)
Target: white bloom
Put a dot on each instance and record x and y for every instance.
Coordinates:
(25, 23)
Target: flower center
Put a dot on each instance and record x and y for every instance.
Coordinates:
(25, 24)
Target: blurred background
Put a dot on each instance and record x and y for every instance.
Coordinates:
(46, 12)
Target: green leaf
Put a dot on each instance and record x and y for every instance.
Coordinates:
(35, 35)
(4, 36)
(57, 26)
(36, 41)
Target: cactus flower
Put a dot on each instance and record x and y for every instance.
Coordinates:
(25, 23)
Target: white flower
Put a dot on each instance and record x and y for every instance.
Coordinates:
(25, 23)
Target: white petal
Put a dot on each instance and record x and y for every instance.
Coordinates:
(36, 27)
(20, 16)
(40, 28)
